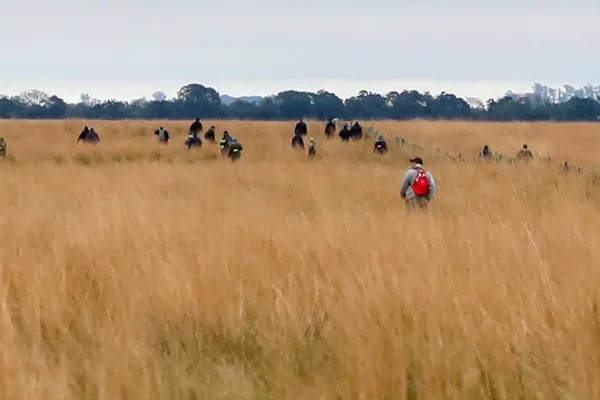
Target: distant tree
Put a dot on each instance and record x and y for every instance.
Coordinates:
(159, 96)
(243, 110)
(475, 103)
(57, 108)
(268, 109)
(409, 105)
(366, 105)
(294, 105)
(162, 109)
(9, 108)
(34, 98)
(327, 105)
(88, 101)
(448, 106)
(196, 100)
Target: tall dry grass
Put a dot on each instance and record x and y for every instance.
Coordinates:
(134, 270)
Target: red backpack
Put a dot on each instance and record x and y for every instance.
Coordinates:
(421, 184)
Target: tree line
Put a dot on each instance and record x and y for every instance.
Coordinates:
(196, 100)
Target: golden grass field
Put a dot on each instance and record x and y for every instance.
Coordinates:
(138, 271)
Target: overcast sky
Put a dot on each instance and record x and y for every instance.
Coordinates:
(240, 47)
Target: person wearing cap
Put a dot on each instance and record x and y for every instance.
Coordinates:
(407, 187)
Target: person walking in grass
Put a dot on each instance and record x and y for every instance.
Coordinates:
(486, 153)
(524, 153)
(298, 142)
(210, 134)
(345, 133)
(225, 141)
(330, 129)
(83, 134)
(88, 136)
(234, 150)
(418, 186)
(312, 148)
(196, 127)
(356, 132)
(193, 140)
(301, 129)
(3, 147)
(380, 146)
(163, 135)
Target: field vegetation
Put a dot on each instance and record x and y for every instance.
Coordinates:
(141, 271)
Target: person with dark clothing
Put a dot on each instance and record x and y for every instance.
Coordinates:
(345, 133)
(486, 153)
(83, 134)
(330, 128)
(163, 135)
(235, 150)
(193, 140)
(3, 147)
(298, 142)
(380, 146)
(301, 129)
(196, 127)
(210, 134)
(356, 132)
(91, 137)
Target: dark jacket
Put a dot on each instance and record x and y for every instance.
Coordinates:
(301, 128)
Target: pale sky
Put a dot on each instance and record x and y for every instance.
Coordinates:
(128, 49)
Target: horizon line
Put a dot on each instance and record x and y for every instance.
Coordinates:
(343, 91)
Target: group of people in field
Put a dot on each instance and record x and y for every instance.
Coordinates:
(229, 145)
(417, 187)
(88, 136)
(487, 154)
(346, 134)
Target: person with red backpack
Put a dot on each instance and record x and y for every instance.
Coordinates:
(418, 186)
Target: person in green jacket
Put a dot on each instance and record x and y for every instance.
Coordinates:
(235, 150)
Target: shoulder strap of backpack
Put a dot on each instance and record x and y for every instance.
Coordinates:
(420, 173)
